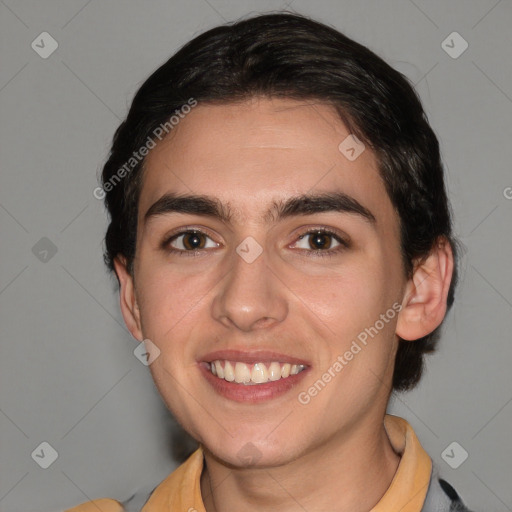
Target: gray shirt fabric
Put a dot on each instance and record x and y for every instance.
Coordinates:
(441, 496)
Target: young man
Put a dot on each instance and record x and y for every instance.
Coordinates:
(282, 239)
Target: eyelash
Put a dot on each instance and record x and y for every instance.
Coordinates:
(325, 253)
(316, 252)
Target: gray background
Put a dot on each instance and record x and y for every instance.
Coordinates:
(68, 373)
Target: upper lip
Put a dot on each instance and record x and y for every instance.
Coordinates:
(252, 356)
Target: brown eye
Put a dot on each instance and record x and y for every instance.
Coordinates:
(188, 241)
(320, 240)
(193, 241)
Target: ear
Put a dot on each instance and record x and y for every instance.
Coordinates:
(128, 300)
(424, 304)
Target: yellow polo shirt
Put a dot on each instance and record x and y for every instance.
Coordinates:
(181, 490)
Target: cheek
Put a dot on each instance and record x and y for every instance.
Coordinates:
(348, 298)
(168, 297)
(357, 308)
(172, 306)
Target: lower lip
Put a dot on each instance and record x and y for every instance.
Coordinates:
(251, 393)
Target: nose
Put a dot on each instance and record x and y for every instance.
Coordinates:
(251, 296)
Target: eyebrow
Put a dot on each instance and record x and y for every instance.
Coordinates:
(305, 204)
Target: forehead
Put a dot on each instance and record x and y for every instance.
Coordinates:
(252, 153)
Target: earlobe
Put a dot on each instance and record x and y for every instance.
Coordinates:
(425, 300)
(127, 297)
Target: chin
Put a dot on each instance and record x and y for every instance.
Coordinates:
(250, 452)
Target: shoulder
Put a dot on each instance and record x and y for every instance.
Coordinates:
(132, 504)
(104, 504)
(180, 484)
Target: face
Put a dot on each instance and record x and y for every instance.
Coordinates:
(273, 284)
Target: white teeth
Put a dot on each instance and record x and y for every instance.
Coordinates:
(274, 371)
(259, 373)
(229, 374)
(219, 370)
(242, 374)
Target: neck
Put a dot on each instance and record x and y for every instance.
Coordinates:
(348, 472)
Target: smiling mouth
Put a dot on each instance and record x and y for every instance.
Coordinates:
(253, 374)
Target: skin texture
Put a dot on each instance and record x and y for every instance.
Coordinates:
(333, 453)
